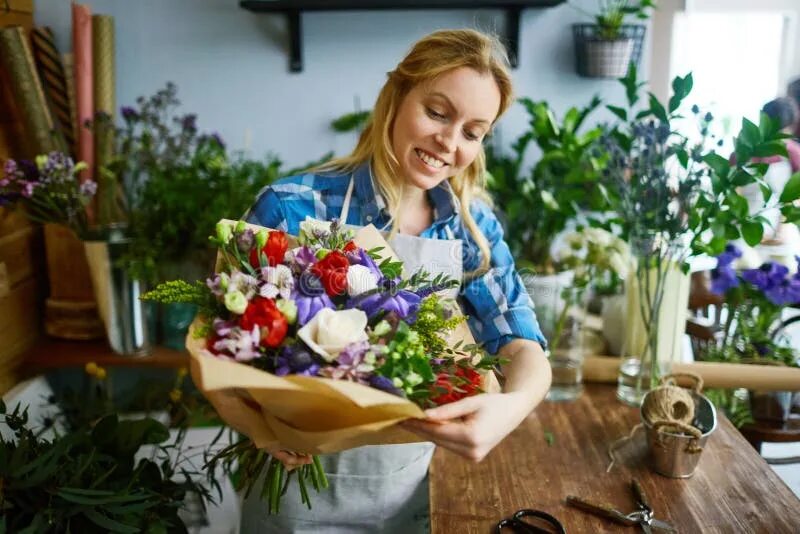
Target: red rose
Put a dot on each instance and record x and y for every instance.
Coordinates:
(332, 270)
(263, 312)
(274, 249)
(350, 247)
(468, 381)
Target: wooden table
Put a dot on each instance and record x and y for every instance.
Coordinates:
(732, 491)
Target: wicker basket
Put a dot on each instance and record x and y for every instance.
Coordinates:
(604, 58)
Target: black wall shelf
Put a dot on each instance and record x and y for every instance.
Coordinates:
(295, 8)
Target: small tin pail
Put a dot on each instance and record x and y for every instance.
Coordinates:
(676, 455)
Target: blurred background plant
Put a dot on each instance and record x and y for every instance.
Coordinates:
(539, 202)
(85, 468)
(48, 190)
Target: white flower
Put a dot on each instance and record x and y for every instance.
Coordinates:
(236, 302)
(598, 236)
(278, 281)
(360, 279)
(243, 283)
(312, 229)
(618, 264)
(329, 332)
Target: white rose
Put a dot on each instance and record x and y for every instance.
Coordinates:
(329, 332)
(360, 279)
(310, 226)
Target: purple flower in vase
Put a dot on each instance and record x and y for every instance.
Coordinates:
(723, 278)
(88, 188)
(310, 297)
(129, 114)
(400, 301)
(787, 291)
(766, 276)
(730, 255)
(351, 364)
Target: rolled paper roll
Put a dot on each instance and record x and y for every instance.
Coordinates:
(714, 374)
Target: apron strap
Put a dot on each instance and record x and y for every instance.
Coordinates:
(449, 232)
(346, 203)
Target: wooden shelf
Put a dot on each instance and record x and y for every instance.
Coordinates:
(295, 8)
(52, 354)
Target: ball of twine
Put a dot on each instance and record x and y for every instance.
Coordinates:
(670, 409)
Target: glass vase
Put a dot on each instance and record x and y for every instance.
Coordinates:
(568, 346)
(657, 299)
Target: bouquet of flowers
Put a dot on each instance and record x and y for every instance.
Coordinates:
(319, 344)
(49, 190)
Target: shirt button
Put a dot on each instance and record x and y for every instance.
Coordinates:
(369, 218)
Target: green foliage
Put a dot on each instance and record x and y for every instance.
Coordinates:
(87, 479)
(539, 202)
(351, 121)
(432, 323)
(611, 15)
(174, 291)
(407, 363)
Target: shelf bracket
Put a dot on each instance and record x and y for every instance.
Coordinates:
(295, 41)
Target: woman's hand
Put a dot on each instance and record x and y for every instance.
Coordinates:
(291, 460)
(471, 427)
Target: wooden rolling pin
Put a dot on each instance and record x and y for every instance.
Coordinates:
(714, 375)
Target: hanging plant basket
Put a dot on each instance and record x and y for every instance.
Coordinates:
(596, 57)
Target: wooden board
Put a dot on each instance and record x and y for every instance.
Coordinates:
(22, 255)
(733, 489)
(67, 266)
(19, 322)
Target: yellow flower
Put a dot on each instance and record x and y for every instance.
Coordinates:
(100, 374)
(175, 395)
(91, 368)
(182, 372)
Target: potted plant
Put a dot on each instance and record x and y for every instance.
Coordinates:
(163, 190)
(83, 468)
(604, 49)
(752, 332)
(541, 201)
(674, 198)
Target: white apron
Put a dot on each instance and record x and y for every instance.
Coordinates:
(377, 488)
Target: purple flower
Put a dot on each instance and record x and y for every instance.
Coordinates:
(216, 137)
(310, 297)
(384, 384)
(245, 240)
(767, 276)
(350, 364)
(129, 114)
(731, 253)
(189, 121)
(296, 360)
(360, 257)
(723, 278)
(303, 257)
(88, 188)
(401, 302)
(787, 291)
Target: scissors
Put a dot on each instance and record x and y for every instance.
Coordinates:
(517, 523)
(642, 517)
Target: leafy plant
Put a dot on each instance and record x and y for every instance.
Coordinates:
(539, 202)
(611, 15)
(86, 477)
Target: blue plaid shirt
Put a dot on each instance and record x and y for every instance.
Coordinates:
(497, 304)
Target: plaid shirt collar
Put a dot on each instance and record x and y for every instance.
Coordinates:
(373, 205)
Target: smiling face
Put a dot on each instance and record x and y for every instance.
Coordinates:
(440, 125)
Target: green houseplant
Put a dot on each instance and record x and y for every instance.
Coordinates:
(540, 201)
(83, 468)
(604, 49)
(675, 197)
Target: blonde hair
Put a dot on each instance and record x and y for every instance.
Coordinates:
(432, 56)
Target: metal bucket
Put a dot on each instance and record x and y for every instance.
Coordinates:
(671, 454)
(125, 316)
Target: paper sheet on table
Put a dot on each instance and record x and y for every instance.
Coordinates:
(307, 414)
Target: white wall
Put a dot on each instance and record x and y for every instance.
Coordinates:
(230, 65)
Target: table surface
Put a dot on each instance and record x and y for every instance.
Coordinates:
(733, 489)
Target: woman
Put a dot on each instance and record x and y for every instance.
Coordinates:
(417, 171)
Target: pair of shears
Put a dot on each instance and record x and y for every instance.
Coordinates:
(643, 516)
(527, 521)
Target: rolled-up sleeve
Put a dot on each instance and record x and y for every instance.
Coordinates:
(497, 302)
